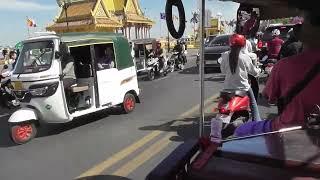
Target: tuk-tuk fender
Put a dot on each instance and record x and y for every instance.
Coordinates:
(23, 115)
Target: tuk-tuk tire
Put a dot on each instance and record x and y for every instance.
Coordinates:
(129, 103)
(151, 75)
(28, 130)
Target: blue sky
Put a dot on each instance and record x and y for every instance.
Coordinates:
(14, 13)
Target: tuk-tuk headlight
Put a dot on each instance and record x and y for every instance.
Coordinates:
(43, 90)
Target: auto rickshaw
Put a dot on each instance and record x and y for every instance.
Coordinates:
(279, 155)
(104, 77)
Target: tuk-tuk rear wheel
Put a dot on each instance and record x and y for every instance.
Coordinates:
(129, 103)
(23, 133)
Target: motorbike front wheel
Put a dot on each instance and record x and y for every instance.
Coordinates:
(151, 75)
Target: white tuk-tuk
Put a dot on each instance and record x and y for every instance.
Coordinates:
(105, 76)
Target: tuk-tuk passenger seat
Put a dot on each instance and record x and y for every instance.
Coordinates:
(79, 88)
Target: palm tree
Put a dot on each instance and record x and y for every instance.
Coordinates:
(194, 20)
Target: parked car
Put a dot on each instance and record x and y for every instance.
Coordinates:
(213, 51)
(209, 39)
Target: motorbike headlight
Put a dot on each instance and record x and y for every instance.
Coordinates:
(43, 90)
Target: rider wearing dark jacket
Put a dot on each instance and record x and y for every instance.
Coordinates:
(293, 45)
(179, 47)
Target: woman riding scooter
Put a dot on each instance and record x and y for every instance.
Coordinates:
(237, 65)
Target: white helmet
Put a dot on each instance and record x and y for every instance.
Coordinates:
(276, 32)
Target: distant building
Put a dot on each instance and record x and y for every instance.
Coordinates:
(103, 16)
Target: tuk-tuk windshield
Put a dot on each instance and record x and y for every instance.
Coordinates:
(35, 57)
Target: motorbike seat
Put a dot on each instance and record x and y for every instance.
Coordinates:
(229, 93)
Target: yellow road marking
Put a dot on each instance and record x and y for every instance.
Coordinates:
(120, 155)
(196, 108)
(147, 154)
(103, 166)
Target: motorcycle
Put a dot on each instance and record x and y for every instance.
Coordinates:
(234, 107)
(267, 64)
(233, 110)
(7, 99)
(178, 60)
(155, 68)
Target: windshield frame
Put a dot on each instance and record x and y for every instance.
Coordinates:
(19, 63)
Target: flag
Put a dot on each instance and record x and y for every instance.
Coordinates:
(162, 15)
(31, 23)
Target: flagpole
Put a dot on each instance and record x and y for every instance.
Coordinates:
(28, 29)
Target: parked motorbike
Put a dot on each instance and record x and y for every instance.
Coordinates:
(7, 99)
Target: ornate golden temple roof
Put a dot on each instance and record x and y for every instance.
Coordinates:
(99, 14)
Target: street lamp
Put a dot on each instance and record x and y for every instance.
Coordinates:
(219, 15)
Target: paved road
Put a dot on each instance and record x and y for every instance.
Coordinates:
(113, 145)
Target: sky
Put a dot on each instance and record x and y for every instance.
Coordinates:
(14, 13)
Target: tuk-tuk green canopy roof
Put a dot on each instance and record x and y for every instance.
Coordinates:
(81, 38)
(120, 43)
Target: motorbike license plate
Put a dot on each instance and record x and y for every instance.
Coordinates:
(17, 85)
(225, 118)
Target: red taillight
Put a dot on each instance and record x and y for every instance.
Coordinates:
(224, 111)
(223, 106)
(260, 44)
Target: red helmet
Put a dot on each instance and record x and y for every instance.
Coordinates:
(237, 40)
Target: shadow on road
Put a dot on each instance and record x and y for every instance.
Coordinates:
(190, 70)
(195, 70)
(186, 129)
(103, 177)
(217, 78)
(54, 129)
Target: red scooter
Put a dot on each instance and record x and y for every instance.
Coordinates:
(234, 110)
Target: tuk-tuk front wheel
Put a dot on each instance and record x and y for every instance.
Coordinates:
(23, 133)
(129, 103)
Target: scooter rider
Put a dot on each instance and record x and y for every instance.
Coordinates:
(274, 45)
(179, 47)
(159, 52)
(237, 65)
